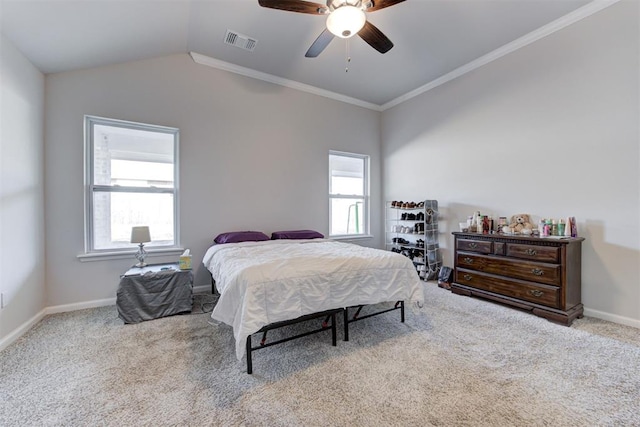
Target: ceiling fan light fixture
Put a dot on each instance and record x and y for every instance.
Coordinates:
(346, 21)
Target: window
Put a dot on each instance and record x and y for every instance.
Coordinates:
(348, 194)
(131, 179)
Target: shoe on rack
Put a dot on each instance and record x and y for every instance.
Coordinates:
(430, 214)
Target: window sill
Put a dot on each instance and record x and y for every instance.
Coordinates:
(103, 256)
(352, 237)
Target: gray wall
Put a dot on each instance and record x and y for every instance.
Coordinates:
(22, 257)
(253, 155)
(550, 130)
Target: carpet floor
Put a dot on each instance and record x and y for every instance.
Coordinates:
(456, 361)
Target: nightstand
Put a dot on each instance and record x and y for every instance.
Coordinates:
(154, 291)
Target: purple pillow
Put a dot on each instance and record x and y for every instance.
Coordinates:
(296, 234)
(241, 236)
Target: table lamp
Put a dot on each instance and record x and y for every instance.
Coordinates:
(140, 235)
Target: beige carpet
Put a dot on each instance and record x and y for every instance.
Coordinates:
(456, 361)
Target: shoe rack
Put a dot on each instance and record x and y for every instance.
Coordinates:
(411, 229)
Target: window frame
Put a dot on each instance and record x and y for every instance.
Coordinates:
(90, 188)
(366, 197)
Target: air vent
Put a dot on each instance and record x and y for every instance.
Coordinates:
(240, 40)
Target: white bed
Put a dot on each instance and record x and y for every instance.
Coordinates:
(261, 283)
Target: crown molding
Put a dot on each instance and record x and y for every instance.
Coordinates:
(560, 23)
(552, 27)
(248, 72)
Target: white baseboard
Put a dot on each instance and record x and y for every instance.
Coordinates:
(80, 305)
(21, 330)
(105, 302)
(612, 317)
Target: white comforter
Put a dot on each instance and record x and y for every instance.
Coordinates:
(266, 282)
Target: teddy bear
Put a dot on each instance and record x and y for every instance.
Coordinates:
(520, 223)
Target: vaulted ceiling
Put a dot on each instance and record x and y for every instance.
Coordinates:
(431, 38)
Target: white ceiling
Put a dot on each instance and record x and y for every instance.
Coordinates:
(431, 37)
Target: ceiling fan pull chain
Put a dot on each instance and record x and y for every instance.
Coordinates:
(348, 58)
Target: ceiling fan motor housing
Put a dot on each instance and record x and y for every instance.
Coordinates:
(334, 4)
(346, 17)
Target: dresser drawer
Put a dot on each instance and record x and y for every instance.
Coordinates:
(479, 246)
(536, 253)
(532, 292)
(526, 270)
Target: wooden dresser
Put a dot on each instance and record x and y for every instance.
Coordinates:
(541, 275)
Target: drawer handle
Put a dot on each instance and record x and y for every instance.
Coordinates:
(536, 293)
(532, 252)
(468, 260)
(473, 245)
(537, 272)
(467, 277)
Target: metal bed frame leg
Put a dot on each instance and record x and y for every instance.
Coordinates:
(334, 335)
(346, 323)
(249, 362)
(401, 304)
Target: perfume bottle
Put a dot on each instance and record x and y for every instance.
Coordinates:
(485, 224)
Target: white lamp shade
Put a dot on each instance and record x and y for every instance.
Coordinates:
(140, 234)
(346, 21)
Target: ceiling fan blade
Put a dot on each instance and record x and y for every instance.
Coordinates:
(381, 4)
(294, 6)
(372, 35)
(321, 42)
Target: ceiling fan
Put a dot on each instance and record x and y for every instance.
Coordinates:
(345, 18)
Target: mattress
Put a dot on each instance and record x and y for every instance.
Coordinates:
(265, 282)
